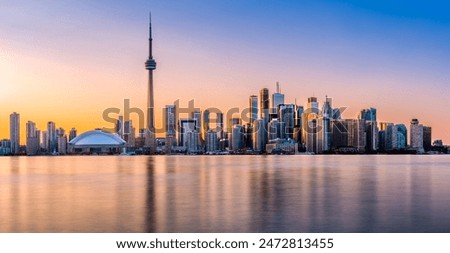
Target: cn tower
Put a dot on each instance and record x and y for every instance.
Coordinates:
(150, 65)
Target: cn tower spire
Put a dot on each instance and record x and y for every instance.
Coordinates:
(150, 53)
(150, 65)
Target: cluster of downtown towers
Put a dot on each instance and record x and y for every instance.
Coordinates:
(269, 125)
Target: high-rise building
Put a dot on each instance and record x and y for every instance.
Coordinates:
(277, 99)
(286, 114)
(139, 141)
(185, 126)
(276, 130)
(358, 135)
(311, 127)
(249, 136)
(402, 136)
(52, 137)
(340, 134)
(369, 116)
(264, 103)
(170, 126)
(253, 106)
(33, 138)
(416, 135)
(327, 113)
(313, 137)
(219, 126)
(427, 138)
(313, 105)
(191, 138)
(62, 143)
(150, 65)
(371, 136)
(259, 135)
(14, 132)
(298, 126)
(72, 134)
(119, 126)
(197, 116)
(129, 133)
(237, 138)
(212, 142)
(45, 141)
(205, 123)
(348, 133)
(388, 137)
(5, 147)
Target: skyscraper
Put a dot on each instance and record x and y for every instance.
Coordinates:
(185, 126)
(197, 116)
(170, 126)
(119, 126)
(61, 140)
(237, 137)
(402, 136)
(426, 138)
(416, 135)
(309, 125)
(52, 138)
(33, 135)
(298, 126)
(264, 104)
(327, 113)
(253, 106)
(276, 130)
(388, 136)
(14, 132)
(277, 99)
(348, 133)
(44, 144)
(129, 133)
(72, 134)
(369, 116)
(313, 105)
(150, 65)
(313, 130)
(219, 125)
(259, 135)
(205, 123)
(212, 142)
(286, 114)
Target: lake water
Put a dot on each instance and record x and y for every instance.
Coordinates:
(332, 193)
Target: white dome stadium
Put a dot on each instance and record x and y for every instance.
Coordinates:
(97, 138)
(96, 142)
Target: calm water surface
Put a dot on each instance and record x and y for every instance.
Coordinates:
(225, 194)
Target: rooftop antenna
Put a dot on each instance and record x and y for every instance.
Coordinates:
(278, 87)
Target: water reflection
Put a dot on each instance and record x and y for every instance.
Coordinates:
(225, 194)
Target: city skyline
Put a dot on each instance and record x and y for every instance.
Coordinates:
(381, 87)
